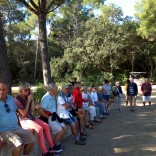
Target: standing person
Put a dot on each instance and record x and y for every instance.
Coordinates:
(117, 92)
(47, 112)
(107, 92)
(63, 106)
(125, 90)
(73, 81)
(146, 89)
(10, 131)
(25, 107)
(132, 91)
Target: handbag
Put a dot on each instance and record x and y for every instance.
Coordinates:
(73, 112)
(120, 95)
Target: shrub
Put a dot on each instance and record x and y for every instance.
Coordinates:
(39, 92)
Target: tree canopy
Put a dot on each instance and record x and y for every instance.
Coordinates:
(76, 41)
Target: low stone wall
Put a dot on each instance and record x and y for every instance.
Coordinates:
(36, 150)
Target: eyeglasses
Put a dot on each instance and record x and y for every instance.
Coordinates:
(7, 107)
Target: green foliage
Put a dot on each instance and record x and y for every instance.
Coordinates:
(39, 92)
(146, 14)
(97, 78)
(80, 44)
(122, 78)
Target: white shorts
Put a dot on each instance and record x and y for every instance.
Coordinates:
(146, 98)
(55, 126)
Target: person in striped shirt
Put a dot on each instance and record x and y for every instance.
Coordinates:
(132, 91)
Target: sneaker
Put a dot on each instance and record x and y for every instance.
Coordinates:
(60, 146)
(55, 149)
(80, 142)
(102, 117)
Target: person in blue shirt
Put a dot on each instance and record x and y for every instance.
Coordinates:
(10, 130)
(47, 112)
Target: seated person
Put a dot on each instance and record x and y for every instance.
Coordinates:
(91, 103)
(47, 112)
(77, 115)
(25, 106)
(101, 98)
(10, 131)
(97, 102)
(78, 101)
(63, 106)
(86, 106)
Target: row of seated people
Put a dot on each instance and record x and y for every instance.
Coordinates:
(69, 107)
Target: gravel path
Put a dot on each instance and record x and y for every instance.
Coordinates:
(123, 133)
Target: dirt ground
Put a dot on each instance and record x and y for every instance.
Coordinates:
(123, 133)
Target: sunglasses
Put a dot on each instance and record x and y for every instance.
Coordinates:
(27, 90)
(7, 108)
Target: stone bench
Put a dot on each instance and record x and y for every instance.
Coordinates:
(4, 151)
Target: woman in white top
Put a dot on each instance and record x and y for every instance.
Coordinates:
(86, 106)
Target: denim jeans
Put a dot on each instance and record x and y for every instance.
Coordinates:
(100, 105)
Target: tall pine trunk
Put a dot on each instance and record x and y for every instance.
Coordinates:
(5, 74)
(44, 47)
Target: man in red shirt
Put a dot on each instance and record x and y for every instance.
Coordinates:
(78, 101)
(77, 95)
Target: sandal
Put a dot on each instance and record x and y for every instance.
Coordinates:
(97, 120)
(91, 126)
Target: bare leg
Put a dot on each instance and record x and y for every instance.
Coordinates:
(83, 113)
(74, 131)
(81, 122)
(144, 104)
(64, 129)
(17, 151)
(28, 148)
(58, 137)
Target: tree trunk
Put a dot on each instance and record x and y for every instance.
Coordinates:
(36, 58)
(5, 74)
(44, 47)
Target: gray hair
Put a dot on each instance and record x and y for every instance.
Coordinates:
(24, 85)
(89, 88)
(117, 82)
(65, 86)
(51, 86)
